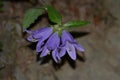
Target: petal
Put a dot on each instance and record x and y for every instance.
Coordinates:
(38, 47)
(44, 33)
(44, 52)
(79, 47)
(62, 51)
(66, 36)
(29, 32)
(71, 50)
(39, 30)
(55, 55)
(53, 41)
(31, 39)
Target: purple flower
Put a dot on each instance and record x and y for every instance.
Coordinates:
(39, 36)
(69, 44)
(52, 45)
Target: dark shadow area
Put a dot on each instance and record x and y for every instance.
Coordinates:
(71, 62)
(1, 46)
(81, 57)
(57, 66)
(1, 49)
(43, 60)
(47, 59)
(32, 45)
(79, 34)
(2, 66)
(64, 59)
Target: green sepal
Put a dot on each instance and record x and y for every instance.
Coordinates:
(75, 23)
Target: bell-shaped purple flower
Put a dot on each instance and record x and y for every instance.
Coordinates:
(39, 36)
(52, 45)
(69, 44)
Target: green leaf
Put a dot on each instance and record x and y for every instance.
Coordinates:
(30, 16)
(76, 23)
(53, 15)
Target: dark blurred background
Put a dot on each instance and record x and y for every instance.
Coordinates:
(101, 39)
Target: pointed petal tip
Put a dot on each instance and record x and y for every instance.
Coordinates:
(79, 47)
(39, 47)
(44, 52)
(38, 50)
(31, 39)
(62, 51)
(66, 36)
(55, 56)
(28, 31)
(71, 51)
(82, 50)
(73, 57)
(43, 33)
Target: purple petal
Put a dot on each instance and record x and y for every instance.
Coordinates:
(38, 47)
(53, 41)
(79, 47)
(62, 51)
(34, 31)
(39, 30)
(29, 32)
(44, 33)
(44, 52)
(55, 55)
(71, 50)
(66, 36)
(31, 39)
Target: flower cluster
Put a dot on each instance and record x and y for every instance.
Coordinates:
(50, 41)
